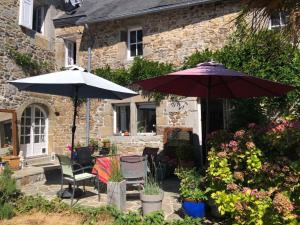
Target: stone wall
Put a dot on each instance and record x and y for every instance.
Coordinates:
(169, 36)
(59, 109)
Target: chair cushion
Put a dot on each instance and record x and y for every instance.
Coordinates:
(83, 176)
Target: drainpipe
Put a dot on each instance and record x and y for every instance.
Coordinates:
(87, 113)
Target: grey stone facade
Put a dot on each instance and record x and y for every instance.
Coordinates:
(169, 36)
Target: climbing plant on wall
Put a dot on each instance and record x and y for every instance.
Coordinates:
(29, 64)
(139, 70)
(267, 55)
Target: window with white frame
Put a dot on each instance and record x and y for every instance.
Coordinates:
(70, 53)
(122, 118)
(278, 20)
(32, 15)
(146, 118)
(135, 43)
(38, 19)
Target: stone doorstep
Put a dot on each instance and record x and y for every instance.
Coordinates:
(32, 174)
(29, 175)
(45, 159)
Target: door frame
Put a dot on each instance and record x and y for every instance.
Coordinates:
(14, 129)
(33, 106)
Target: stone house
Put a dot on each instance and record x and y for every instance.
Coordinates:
(59, 34)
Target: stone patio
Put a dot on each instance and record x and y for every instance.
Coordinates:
(49, 187)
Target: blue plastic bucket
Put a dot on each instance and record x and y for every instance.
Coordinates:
(194, 209)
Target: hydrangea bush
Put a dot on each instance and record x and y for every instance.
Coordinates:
(254, 173)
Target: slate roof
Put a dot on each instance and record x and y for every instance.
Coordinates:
(103, 10)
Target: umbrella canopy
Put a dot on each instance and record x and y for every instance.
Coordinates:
(213, 80)
(75, 84)
(64, 83)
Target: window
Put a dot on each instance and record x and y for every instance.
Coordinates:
(38, 19)
(70, 53)
(278, 19)
(135, 43)
(146, 118)
(32, 16)
(122, 118)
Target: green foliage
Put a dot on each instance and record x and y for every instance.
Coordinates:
(29, 64)
(92, 215)
(245, 207)
(253, 174)
(116, 175)
(26, 204)
(186, 221)
(190, 180)
(114, 149)
(154, 218)
(94, 143)
(198, 57)
(151, 187)
(218, 173)
(128, 219)
(267, 55)
(139, 70)
(6, 211)
(8, 193)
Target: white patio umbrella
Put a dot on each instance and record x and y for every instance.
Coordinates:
(75, 84)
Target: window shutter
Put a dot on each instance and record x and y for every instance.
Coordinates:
(25, 14)
(123, 36)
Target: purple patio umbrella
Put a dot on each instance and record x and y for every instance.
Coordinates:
(213, 80)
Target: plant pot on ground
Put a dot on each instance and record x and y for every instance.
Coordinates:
(116, 186)
(12, 161)
(151, 197)
(193, 197)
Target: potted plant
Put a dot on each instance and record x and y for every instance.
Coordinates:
(93, 145)
(105, 143)
(151, 196)
(116, 186)
(12, 161)
(192, 195)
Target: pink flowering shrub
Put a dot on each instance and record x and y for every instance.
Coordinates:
(254, 173)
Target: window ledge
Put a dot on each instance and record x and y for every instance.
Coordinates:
(146, 134)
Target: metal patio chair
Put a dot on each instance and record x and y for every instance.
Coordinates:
(73, 176)
(134, 169)
(85, 159)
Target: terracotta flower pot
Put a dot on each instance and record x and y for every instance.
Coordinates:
(12, 161)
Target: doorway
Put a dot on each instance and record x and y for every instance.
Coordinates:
(34, 131)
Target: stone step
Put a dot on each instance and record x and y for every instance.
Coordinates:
(40, 160)
(29, 175)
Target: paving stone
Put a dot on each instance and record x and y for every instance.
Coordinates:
(49, 188)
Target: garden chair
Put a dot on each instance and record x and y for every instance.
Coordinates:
(134, 169)
(73, 176)
(84, 158)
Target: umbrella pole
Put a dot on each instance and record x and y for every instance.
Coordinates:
(206, 130)
(74, 118)
(207, 120)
